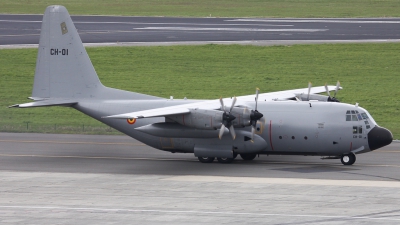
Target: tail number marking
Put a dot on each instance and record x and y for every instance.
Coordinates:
(56, 51)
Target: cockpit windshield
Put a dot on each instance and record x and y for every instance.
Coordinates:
(353, 115)
(360, 115)
(370, 118)
(364, 116)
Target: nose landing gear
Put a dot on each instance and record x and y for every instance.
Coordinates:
(348, 159)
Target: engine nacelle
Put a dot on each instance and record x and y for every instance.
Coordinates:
(312, 97)
(200, 119)
(242, 117)
(212, 119)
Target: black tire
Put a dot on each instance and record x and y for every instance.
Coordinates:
(206, 159)
(225, 160)
(348, 159)
(248, 156)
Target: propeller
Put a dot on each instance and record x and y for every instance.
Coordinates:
(255, 116)
(227, 119)
(332, 99)
(327, 90)
(309, 89)
(337, 88)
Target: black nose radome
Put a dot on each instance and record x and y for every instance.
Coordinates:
(379, 137)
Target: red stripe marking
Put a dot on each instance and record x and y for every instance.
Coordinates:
(270, 134)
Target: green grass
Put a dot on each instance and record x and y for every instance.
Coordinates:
(215, 8)
(369, 74)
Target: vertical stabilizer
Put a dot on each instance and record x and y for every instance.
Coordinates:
(63, 68)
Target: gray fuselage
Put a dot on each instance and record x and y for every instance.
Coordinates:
(288, 127)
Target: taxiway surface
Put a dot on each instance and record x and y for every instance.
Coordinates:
(81, 179)
(109, 30)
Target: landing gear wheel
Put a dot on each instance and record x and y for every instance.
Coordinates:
(225, 160)
(348, 159)
(206, 159)
(248, 156)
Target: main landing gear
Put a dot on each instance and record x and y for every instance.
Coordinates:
(206, 159)
(247, 157)
(348, 159)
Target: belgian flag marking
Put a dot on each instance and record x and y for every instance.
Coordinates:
(131, 121)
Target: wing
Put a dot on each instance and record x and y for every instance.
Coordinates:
(215, 104)
(286, 95)
(167, 111)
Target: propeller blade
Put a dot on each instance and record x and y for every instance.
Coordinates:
(221, 131)
(232, 131)
(233, 104)
(222, 104)
(337, 88)
(257, 91)
(309, 89)
(327, 90)
(253, 130)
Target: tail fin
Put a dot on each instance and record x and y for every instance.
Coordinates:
(63, 68)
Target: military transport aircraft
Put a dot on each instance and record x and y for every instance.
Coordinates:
(293, 122)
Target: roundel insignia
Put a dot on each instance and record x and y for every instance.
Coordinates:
(131, 121)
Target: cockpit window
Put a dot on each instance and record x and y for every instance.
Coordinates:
(364, 115)
(352, 116)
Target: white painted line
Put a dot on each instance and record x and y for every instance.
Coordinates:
(289, 181)
(317, 21)
(18, 35)
(244, 42)
(194, 212)
(21, 21)
(95, 157)
(229, 29)
(141, 23)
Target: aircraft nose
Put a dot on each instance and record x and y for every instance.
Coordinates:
(379, 137)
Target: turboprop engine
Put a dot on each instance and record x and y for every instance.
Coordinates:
(224, 118)
(316, 97)
(213, 119)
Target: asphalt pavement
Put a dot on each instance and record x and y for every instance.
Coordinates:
(81, 179)
(110, 30)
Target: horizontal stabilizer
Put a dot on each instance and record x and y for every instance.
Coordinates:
(47, 102)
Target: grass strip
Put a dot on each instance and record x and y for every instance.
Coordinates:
(220, 8)
(368, 73)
